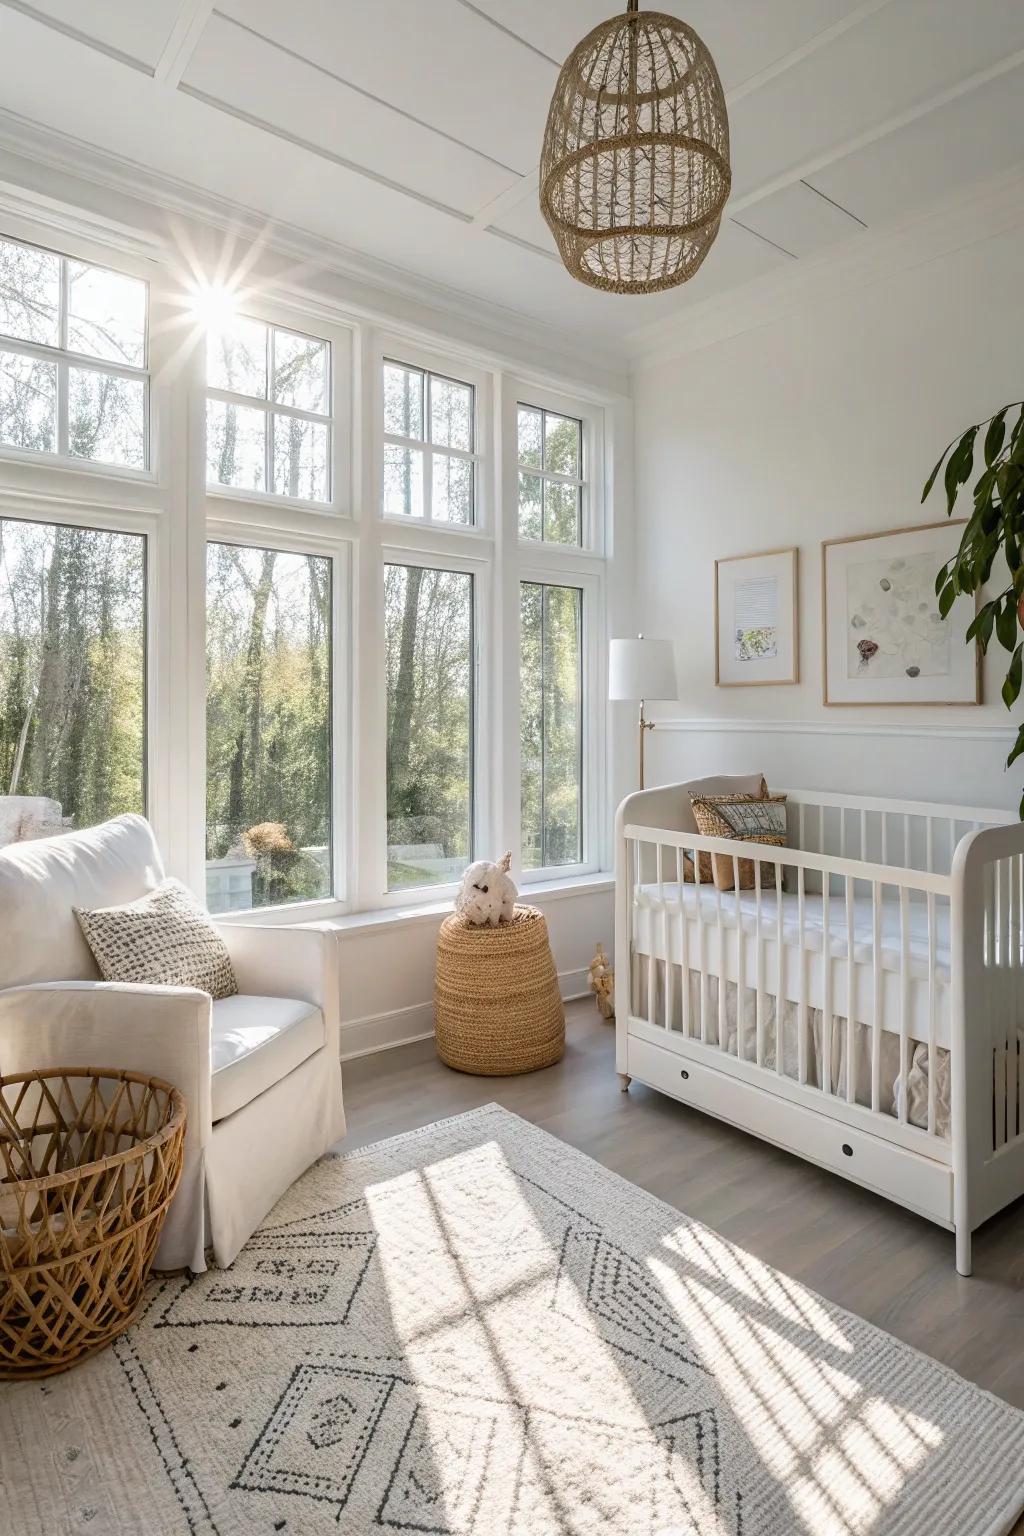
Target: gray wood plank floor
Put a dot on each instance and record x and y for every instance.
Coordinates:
(859, 1250)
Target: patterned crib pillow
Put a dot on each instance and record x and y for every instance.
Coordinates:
(166, 939)
(750, 818)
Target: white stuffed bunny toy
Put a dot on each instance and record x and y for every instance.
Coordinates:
(487, 895)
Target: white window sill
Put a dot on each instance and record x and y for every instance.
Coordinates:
(541, 892)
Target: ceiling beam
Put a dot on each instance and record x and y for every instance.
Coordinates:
(182, 42)
(56, 25)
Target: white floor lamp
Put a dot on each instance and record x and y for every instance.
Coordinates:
(642, 669)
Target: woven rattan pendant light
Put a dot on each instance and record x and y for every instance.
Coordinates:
(634, 172)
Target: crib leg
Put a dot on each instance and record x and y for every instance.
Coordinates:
(963, 1250)
(624, 1082)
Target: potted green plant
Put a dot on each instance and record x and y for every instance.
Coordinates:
(996, 523)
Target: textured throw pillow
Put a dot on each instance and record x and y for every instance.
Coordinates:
(750, 818)
(165, 939)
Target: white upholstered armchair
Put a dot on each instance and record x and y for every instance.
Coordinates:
(260, 1071)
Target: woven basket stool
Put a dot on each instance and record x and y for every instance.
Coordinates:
(89, 1162)
(497, 1007)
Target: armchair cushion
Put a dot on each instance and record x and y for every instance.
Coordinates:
(41, 882)
(257, 1041)
(164, 938)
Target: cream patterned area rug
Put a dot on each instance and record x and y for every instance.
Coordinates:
(474, 1330)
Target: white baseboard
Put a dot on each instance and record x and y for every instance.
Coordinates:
(401, 1026)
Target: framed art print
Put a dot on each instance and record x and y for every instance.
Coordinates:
(756, 638)
(884, 639)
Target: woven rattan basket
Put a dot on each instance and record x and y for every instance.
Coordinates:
(90, 1160)
(497, 1007)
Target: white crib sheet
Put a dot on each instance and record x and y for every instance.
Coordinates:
(649, 906)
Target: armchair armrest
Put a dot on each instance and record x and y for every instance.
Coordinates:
(162, 1031)
(287, 962)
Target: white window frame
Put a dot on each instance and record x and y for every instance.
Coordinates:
(590, 480)
(26, 506)
(481, 715)
(403, 354)
(592, 802)
(249, 535)
(65, 359)
(337, 422)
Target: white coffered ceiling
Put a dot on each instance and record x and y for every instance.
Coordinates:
(407, 131)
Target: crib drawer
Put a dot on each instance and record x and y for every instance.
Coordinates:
(921, 1184)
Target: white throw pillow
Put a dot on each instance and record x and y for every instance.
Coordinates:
(164, 939)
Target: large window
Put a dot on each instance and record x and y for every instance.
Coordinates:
(429, 624)
(72, 676)
(268, 727)
(550, 459)
(268, 411)
(551, 716)
(73, 358)
(429, 440)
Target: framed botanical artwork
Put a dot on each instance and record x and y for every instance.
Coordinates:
(884, 640)
(756, 640)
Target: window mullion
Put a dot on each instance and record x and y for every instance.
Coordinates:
(268, 429)
(428, 452)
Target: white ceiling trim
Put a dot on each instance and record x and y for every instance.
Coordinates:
(67, 30)
(981, 213)
(380, 101)
(183, 41)
(277, 132)
(797, 55)
(570, 364)
(880, 131)
(499, 26)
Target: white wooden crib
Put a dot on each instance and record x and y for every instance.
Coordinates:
(870, 1019)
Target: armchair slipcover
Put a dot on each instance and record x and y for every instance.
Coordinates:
(260, 1072)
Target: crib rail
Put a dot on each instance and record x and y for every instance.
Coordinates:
(734, 973)
(911, 834)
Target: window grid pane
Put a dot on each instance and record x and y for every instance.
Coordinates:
(58, 406)
(429, 629)
(551, 714)
(434, 480)
(268, 725)
(257, 448)
(72, 676)
(550, 457)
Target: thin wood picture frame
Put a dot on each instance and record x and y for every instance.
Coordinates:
(763, 567)
(969, 676)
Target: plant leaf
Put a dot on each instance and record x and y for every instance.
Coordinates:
(1018, 748)
(1011, 682)
(1006, 624)
(947, 597)
(932, 477)
(995, 435)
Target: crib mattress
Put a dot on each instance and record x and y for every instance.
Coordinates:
(740, 909)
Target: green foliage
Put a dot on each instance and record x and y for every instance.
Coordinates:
(995, 526)
(72, 668)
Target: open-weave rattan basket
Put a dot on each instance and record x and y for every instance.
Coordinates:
(90, 1160)
(497, 1007)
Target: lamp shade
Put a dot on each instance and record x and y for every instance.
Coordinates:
(642, 669)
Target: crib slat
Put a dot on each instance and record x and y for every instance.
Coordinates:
(780, 965)
(666, 930)
(863, 833)
(741, 969)
(908, 862)
(821, 829)
(1012, 1079)
(632, 858)
(652, 974)
(826, 961)
(702, 949)
(876, 995)
(932, 1053)
(904, 999)
(801, 1012)
(684, 947)
(721, 953)
(759, 940)
(885, 837)
(851, 992)
(929, 839)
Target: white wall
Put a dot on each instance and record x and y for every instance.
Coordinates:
(822, 423)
